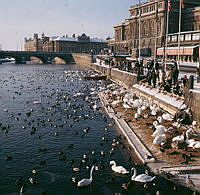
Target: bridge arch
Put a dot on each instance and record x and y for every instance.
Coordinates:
(59, 60)
(36, 59)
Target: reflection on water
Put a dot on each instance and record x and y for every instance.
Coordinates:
(48, 122)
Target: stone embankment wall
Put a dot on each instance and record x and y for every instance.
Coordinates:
(82, 59)
(194, 103)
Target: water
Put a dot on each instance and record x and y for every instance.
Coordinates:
(49, 135)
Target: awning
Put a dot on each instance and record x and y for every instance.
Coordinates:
(187, 50)
(131, 59)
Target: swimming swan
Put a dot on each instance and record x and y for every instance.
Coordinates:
(142, 177)
(118, 169)
(86, 182)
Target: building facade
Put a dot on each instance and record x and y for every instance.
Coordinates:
(79, 44)
(153, 21)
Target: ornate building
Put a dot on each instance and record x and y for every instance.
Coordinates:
(80, 44)
(153, 25)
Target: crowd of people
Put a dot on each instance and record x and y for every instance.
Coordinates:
(156, 74)
(166, 78)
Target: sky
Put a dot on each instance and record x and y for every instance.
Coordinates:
(23, 18)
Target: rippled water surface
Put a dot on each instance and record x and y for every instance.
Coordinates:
(47, 123)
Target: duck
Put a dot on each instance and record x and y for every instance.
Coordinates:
(118, 169)
(188, 181)
(76, 169)
(143, 178)
(34, 171)
(86, 182)
(31, 180)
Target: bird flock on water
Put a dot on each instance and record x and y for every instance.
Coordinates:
(58, 100)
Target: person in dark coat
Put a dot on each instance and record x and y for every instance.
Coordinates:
(185, 80)
(149, 76)
(175, 74)
(154, 77)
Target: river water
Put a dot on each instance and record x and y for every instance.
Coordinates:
(47, 123)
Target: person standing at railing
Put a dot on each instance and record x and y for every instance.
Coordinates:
(162, 77)
(175, 74)
(154, 77)
(169, 76)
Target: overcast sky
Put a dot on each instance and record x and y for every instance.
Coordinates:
(23, 18)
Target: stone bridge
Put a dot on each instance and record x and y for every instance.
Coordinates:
(21, 57)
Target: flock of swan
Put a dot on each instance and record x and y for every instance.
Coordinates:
(118, 96)
(143, 178)
(144, 108)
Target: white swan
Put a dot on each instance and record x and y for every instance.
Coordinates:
(160, 119)
(136, 103)
(136, 116)
(153, 112)
(139, 111)
(86, 182)
(184, 137)
(143, 108)
(21, 192)
(196, 145)
(126, 106)
(118, 169)
(159, 139)
(158, 127)
(179, 138)
(158, 132)
(142, 177)
(116, 102)
(167, 117)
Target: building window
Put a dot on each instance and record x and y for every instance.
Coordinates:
(174, 38)
(188, 37)
(196, 36)
(182, 38)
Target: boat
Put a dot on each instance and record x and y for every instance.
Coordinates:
(4, 60)
(95, 77)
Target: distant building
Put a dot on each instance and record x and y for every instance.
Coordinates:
(153, 26)
(80, 44)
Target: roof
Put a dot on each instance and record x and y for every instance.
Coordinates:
(97, 40)
(66, 39)
(72, 39)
